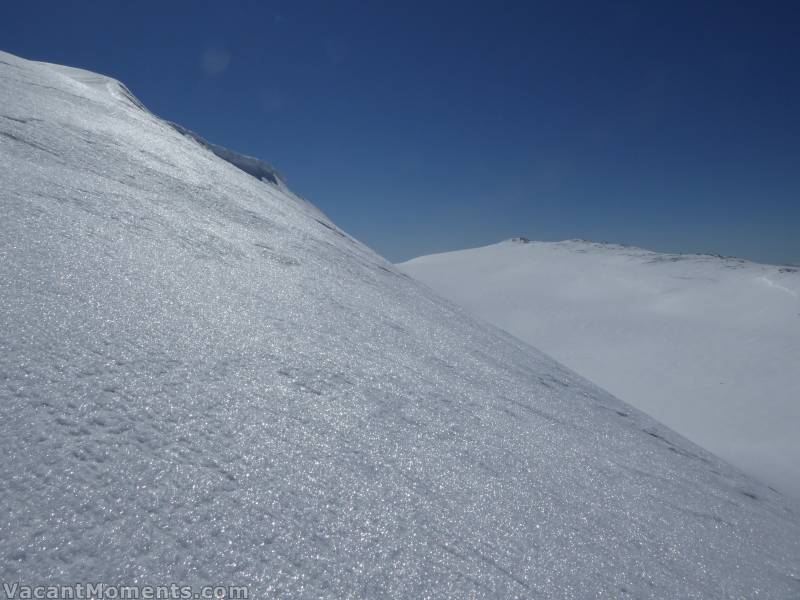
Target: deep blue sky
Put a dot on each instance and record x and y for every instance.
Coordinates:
(423, 127)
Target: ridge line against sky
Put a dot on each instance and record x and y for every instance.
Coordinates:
(421, 129)
(612, 246)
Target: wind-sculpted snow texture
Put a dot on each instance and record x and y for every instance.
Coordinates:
(253, 166)
(204, 380)
(708, 345)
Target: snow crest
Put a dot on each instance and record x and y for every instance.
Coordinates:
(250, 165)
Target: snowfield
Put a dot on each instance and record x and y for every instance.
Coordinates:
(203, 380)
(708, 345)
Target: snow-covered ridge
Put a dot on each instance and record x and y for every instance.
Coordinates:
(102, 84)
(582, 246)
(250, 165)
(203, 380)
(708, 344)
(111, 89)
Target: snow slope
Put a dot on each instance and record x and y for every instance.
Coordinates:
(708, 345)
(203, 380)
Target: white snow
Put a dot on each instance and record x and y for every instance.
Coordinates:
(203, 380)
(250, 165)
(708, 345)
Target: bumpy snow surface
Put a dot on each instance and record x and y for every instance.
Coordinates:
(204, 380)
(708, 345)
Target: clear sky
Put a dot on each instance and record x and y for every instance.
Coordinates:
(424, 127)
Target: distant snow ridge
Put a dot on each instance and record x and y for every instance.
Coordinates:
(708, 344)
(204, 381)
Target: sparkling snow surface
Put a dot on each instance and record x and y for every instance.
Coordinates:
(708, 345)
(203, 380)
